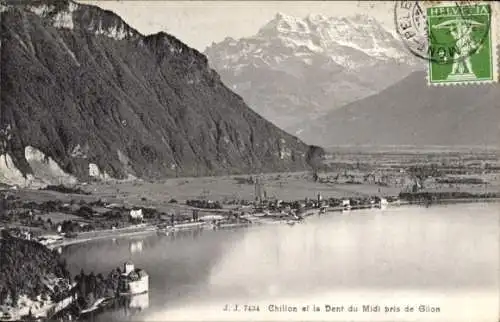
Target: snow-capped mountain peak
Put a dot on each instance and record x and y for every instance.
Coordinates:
(316, 18)
(320, 33)
(352, 42)
(296, 68)
(285, 24)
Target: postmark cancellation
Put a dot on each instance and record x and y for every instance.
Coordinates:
(458, 39)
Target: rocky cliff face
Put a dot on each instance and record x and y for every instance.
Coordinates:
(96, 97)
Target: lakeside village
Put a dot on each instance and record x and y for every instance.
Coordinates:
(35, 283)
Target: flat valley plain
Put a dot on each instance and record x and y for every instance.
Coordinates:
(345, 173)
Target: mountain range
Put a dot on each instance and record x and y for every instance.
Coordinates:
(85, 94)
(297, 69)
(411, 112)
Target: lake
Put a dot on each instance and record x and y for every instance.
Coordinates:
(407, 263)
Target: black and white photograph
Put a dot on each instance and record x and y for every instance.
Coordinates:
(249, 161)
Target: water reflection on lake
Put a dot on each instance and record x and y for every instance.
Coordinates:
(136, 246)
(410, 255)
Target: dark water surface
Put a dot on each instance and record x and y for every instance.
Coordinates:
(439, 252)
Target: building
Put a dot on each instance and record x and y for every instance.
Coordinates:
(49, 239)
(383, 203)
(259, 189)
(136, 214)
(211, 217)
(133, 280)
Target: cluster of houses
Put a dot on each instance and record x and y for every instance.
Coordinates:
(272, 208)
(236, 216)
(204, 204)
(61, 230)
(321, 203)
(19, 233)
(36, 236)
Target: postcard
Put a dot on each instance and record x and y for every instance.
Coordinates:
(249, 160)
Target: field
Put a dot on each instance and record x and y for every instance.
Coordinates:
(344, 174)
(283, 186)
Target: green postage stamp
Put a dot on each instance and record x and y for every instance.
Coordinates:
(465, 31)
(459, 39)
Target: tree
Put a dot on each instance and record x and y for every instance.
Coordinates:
(62, 268)
(314, 158)
(6, 234)
(90, 298)
(44, 296)
(37, 290)
(67, 226)
(14, 296)
(3, 295)
(56, 293)
(421, 173)
(30, 316)
(195, 214)
(82, 286)
(3, 204)
(92, 283)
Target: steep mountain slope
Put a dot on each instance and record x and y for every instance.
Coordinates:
(28, 269)
(86, 90)
(294, 69)
(412, 113)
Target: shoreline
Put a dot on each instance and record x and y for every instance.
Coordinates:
(146, 229)
(117, 233)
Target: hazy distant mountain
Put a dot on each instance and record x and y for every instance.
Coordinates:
(80, 86)
(412, 113)
(294, 69)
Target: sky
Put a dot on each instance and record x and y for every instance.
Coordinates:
(199, 23)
